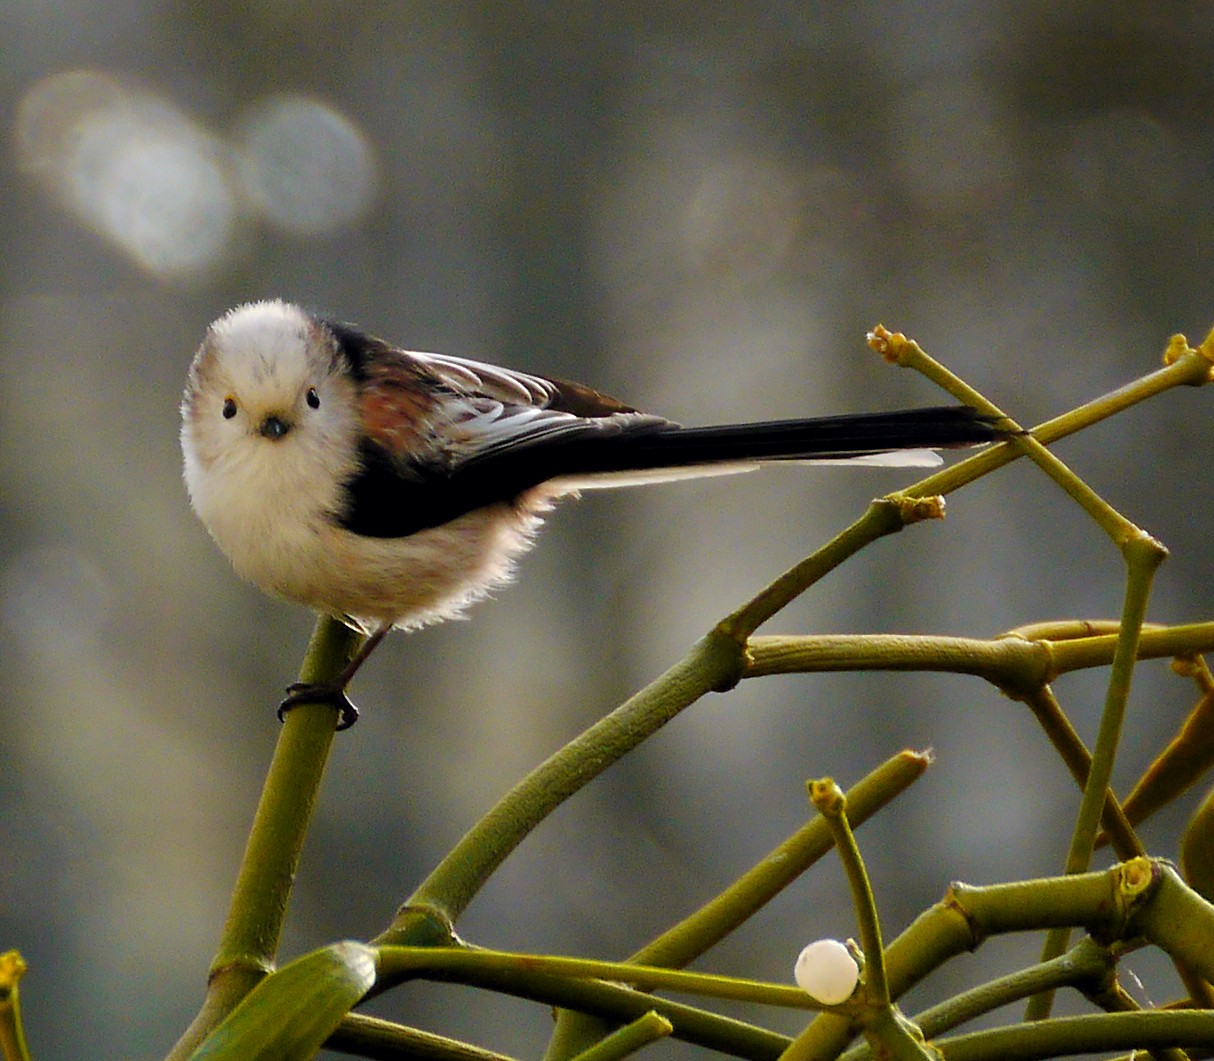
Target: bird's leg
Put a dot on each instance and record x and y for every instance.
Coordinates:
(334, 692)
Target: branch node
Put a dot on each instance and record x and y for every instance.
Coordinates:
(1178, 347)
(917, 509)
(892, 346)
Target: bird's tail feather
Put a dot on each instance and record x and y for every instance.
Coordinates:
(666, 452)
(830, 437)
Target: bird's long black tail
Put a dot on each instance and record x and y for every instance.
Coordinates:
(385, 501)
(818, 438)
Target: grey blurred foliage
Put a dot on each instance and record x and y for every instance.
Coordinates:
(698, 207)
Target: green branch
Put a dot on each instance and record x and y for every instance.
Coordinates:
(828, 797)
(475, 965)
(1143, 555)
(366, 1036)
(574, 983)
(249, 943)
(1086, 1034)
(629, 1039)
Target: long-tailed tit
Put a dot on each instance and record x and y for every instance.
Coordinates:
(393, 489)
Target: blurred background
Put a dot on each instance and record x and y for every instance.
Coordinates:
(699, 208)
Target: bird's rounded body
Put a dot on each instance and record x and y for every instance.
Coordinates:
(277, 520)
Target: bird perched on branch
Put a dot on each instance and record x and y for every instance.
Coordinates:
(393, 489)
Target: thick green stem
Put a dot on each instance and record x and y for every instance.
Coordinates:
(629, 1039)
(249, 942)
(372, 1037)
(1087, 966)
(881, 518)
(1011, 661)
(563, 983)
(828, 797)
(1090, 1033)
(473, 965)
(1143, 556)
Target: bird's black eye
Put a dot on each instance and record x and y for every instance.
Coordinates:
(229, 408)
(312, 398)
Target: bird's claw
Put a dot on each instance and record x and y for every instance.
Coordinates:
(318, 692)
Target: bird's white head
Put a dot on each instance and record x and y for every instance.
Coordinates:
(269, 419)
(260, 372)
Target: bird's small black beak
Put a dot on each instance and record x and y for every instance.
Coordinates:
(274, 427)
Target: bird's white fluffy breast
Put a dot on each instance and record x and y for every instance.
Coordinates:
(279, 533)
(430, 575)
(267, 503)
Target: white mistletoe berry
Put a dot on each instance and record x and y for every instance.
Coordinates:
(827, 971)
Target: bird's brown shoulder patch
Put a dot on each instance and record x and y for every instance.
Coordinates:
(398, 404)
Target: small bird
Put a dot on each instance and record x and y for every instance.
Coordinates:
(394, 489)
